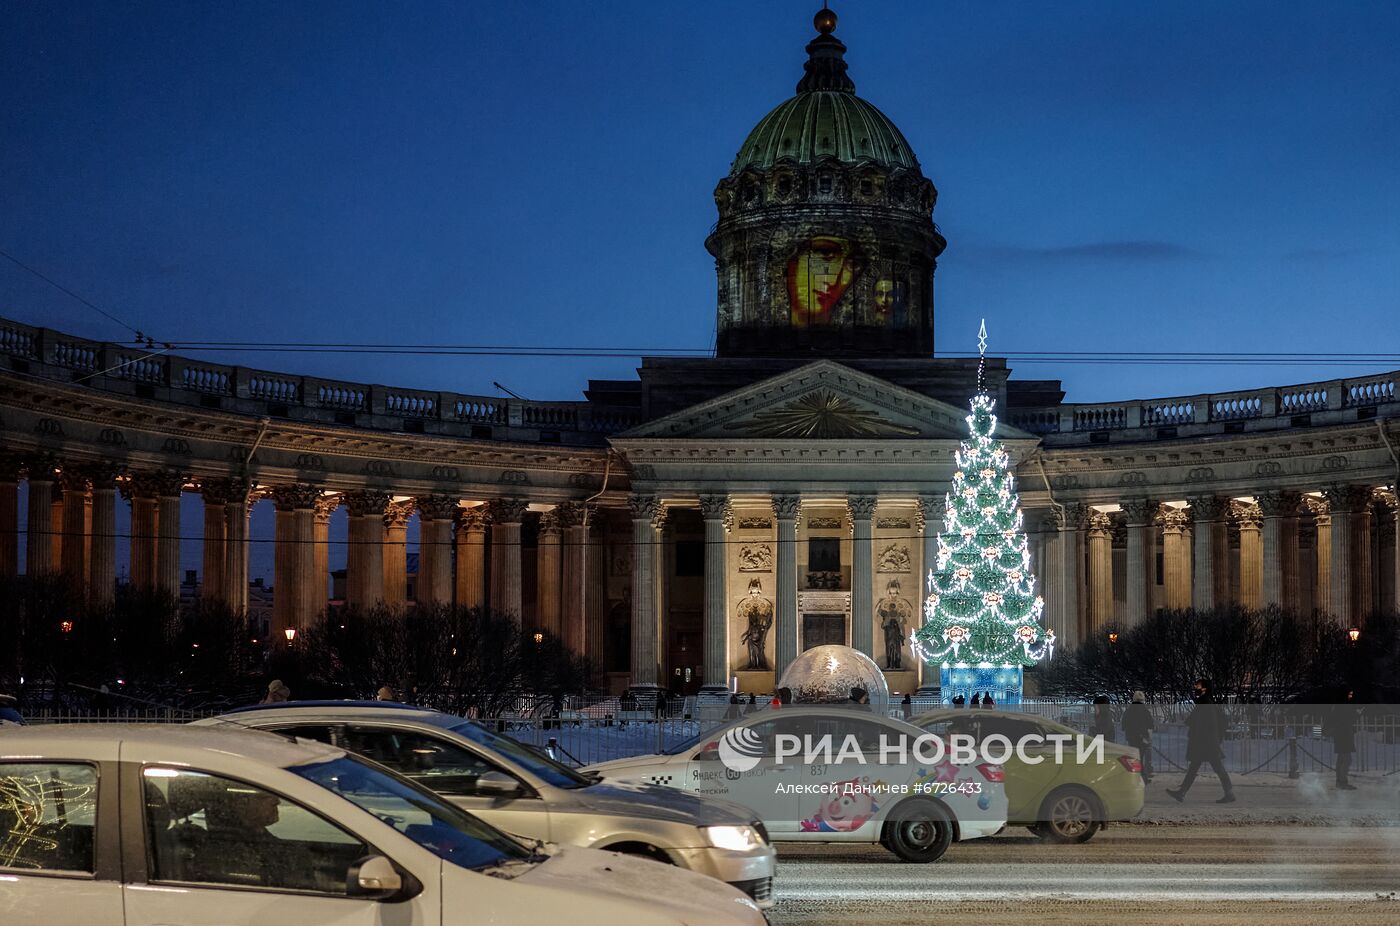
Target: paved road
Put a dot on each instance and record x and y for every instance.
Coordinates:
(1143, 875)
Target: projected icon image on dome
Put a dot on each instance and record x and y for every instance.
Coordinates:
(819, 274)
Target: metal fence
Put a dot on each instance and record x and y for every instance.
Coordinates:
(1259, 740)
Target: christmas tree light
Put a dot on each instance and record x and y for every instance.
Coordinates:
(982, 615)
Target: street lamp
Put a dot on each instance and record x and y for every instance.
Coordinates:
(291, 633)
(66, 626)
(539, 637)
(1113, 637)
(1353, 634)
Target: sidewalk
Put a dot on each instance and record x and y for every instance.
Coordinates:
(1271, 799)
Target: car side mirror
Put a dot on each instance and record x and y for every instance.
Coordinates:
(376, 878)
(497, 784)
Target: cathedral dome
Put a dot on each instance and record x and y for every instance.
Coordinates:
(825, 119)
(820, 124)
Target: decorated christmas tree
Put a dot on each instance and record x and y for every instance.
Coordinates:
(982, 615)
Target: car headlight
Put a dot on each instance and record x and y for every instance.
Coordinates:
(733, 838)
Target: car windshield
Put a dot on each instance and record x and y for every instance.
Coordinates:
(446, 831)
(541, 766)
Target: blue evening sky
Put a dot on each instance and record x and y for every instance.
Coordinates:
(1113, 176)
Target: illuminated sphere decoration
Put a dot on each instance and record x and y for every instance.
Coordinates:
(826, 674)
(825, 21)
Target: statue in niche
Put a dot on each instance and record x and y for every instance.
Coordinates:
(757, 613)
(894, 614)
(755, 557)
(894, 558)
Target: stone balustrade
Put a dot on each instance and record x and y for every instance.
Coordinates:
(1337, 401)
(137, 371)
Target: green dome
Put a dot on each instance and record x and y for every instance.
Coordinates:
(825, 123)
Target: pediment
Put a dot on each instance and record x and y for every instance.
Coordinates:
(821, 401)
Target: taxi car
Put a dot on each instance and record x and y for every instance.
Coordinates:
(865, 790)
(1066, 801)
(517, 789)
(129, 825)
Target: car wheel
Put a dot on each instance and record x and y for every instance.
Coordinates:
(918, 831)
(1069, 816)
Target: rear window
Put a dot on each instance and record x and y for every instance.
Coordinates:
(48, 816)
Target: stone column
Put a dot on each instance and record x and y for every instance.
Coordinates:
(211, 579)
(716, 673)
(73, 551)
(1362, 549)
(928, 519)
(1211, 544)
(549, 567)
(862, 510)
(1063, 574)
(595, 607)
(1279, 541)
(471, 557)
(1250, 518)
(102, 565)
(321, 552)
(1100, 567)
(169, 486)
(435, 514)
(1138, 515)
(396, 517)
(572, 596)
(1395, 549)
(9, 514)
(1176, 556)
(295, 603)
(506, 517)
(648, 518)
(1322, 552)
(786, 510)
(237, 514)
(364, 560)
(1346, 504)
(39, 542)
(141, 491)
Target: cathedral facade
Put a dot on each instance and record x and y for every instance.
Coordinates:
(703, 524)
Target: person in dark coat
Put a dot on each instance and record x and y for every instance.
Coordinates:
(977, 699)
(1205, 732)
(1103, 719)
(1341, 727)
(987, 700)
(959, 701)
(1137, 730)
(732, 711)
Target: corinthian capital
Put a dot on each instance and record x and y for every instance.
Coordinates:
(1348, 499)
(1139, 511)
(712, 507)
(436, 507)
(366, 502)
(508, 510)
(861, 507)
(1208, 507)
(296, 496)
(1278, 504)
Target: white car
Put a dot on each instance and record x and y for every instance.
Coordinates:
(868, 793)
(516, 789)
(116, 825)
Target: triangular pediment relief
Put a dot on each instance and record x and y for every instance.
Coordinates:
(823, 400)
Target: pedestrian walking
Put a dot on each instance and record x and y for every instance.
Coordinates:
(1137, 730)
(908, 705)
(977, 699)
(987, 699)
(752, 705)
(959, 701)
(1340, 725)
(1103, 719)
(1205, 735)
(732, 711)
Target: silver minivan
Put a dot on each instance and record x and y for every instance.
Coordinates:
(517, 789)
